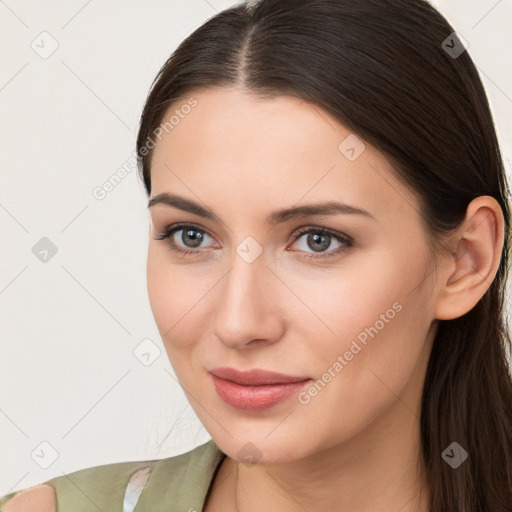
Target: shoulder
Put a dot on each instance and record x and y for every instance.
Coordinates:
(40, 497)
(120, 486)
(106, 483)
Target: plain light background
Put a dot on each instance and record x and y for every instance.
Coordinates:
(73, 392)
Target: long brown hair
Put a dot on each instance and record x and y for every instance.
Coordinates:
(396, 74)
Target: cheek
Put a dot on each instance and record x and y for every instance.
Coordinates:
(167, 292)
(372, 310)
(378, 350)
(160, 298)
(344, 303)
(180, 299)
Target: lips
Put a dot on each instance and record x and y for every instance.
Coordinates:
(255, 390)
(255, 377)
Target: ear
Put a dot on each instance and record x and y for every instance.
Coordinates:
(475, 260)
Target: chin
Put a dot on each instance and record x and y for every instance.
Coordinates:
(257, 447)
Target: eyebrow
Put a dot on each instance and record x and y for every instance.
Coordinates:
(276, 217)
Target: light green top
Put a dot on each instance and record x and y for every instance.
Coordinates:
(175, 484)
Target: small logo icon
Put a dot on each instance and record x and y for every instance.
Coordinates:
(249, 249)
(351, 147)
(249, 454)
(44, 45)
(44, 455)
(454, 45)
(147, 352)
(44, 250)
(454, 455)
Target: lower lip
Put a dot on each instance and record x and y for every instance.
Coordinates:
(255, 398)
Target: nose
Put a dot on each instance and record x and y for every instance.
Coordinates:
(248, 311)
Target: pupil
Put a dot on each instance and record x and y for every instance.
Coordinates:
(196, 239)
(319, 238)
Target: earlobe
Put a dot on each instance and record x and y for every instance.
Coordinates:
(475, 261)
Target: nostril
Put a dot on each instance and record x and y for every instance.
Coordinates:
(134, 489)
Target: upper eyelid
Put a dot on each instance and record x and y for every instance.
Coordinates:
(183, 225)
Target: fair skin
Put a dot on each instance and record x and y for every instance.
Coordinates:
(355, 445)
(242, 159)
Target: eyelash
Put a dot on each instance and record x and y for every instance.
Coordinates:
(167, 233)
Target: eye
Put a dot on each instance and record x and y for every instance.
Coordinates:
(320, 239)
(188, 243)
(191, 238)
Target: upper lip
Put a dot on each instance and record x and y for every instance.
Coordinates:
(255, 377)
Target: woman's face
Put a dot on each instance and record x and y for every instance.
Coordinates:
(350, 308)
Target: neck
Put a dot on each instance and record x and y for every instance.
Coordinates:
(379, 469)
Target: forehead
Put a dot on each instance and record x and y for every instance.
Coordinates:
(253, 126)
(278, 151)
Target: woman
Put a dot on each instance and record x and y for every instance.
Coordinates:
(326, 267)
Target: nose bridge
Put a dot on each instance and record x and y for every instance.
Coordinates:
(245, 309)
